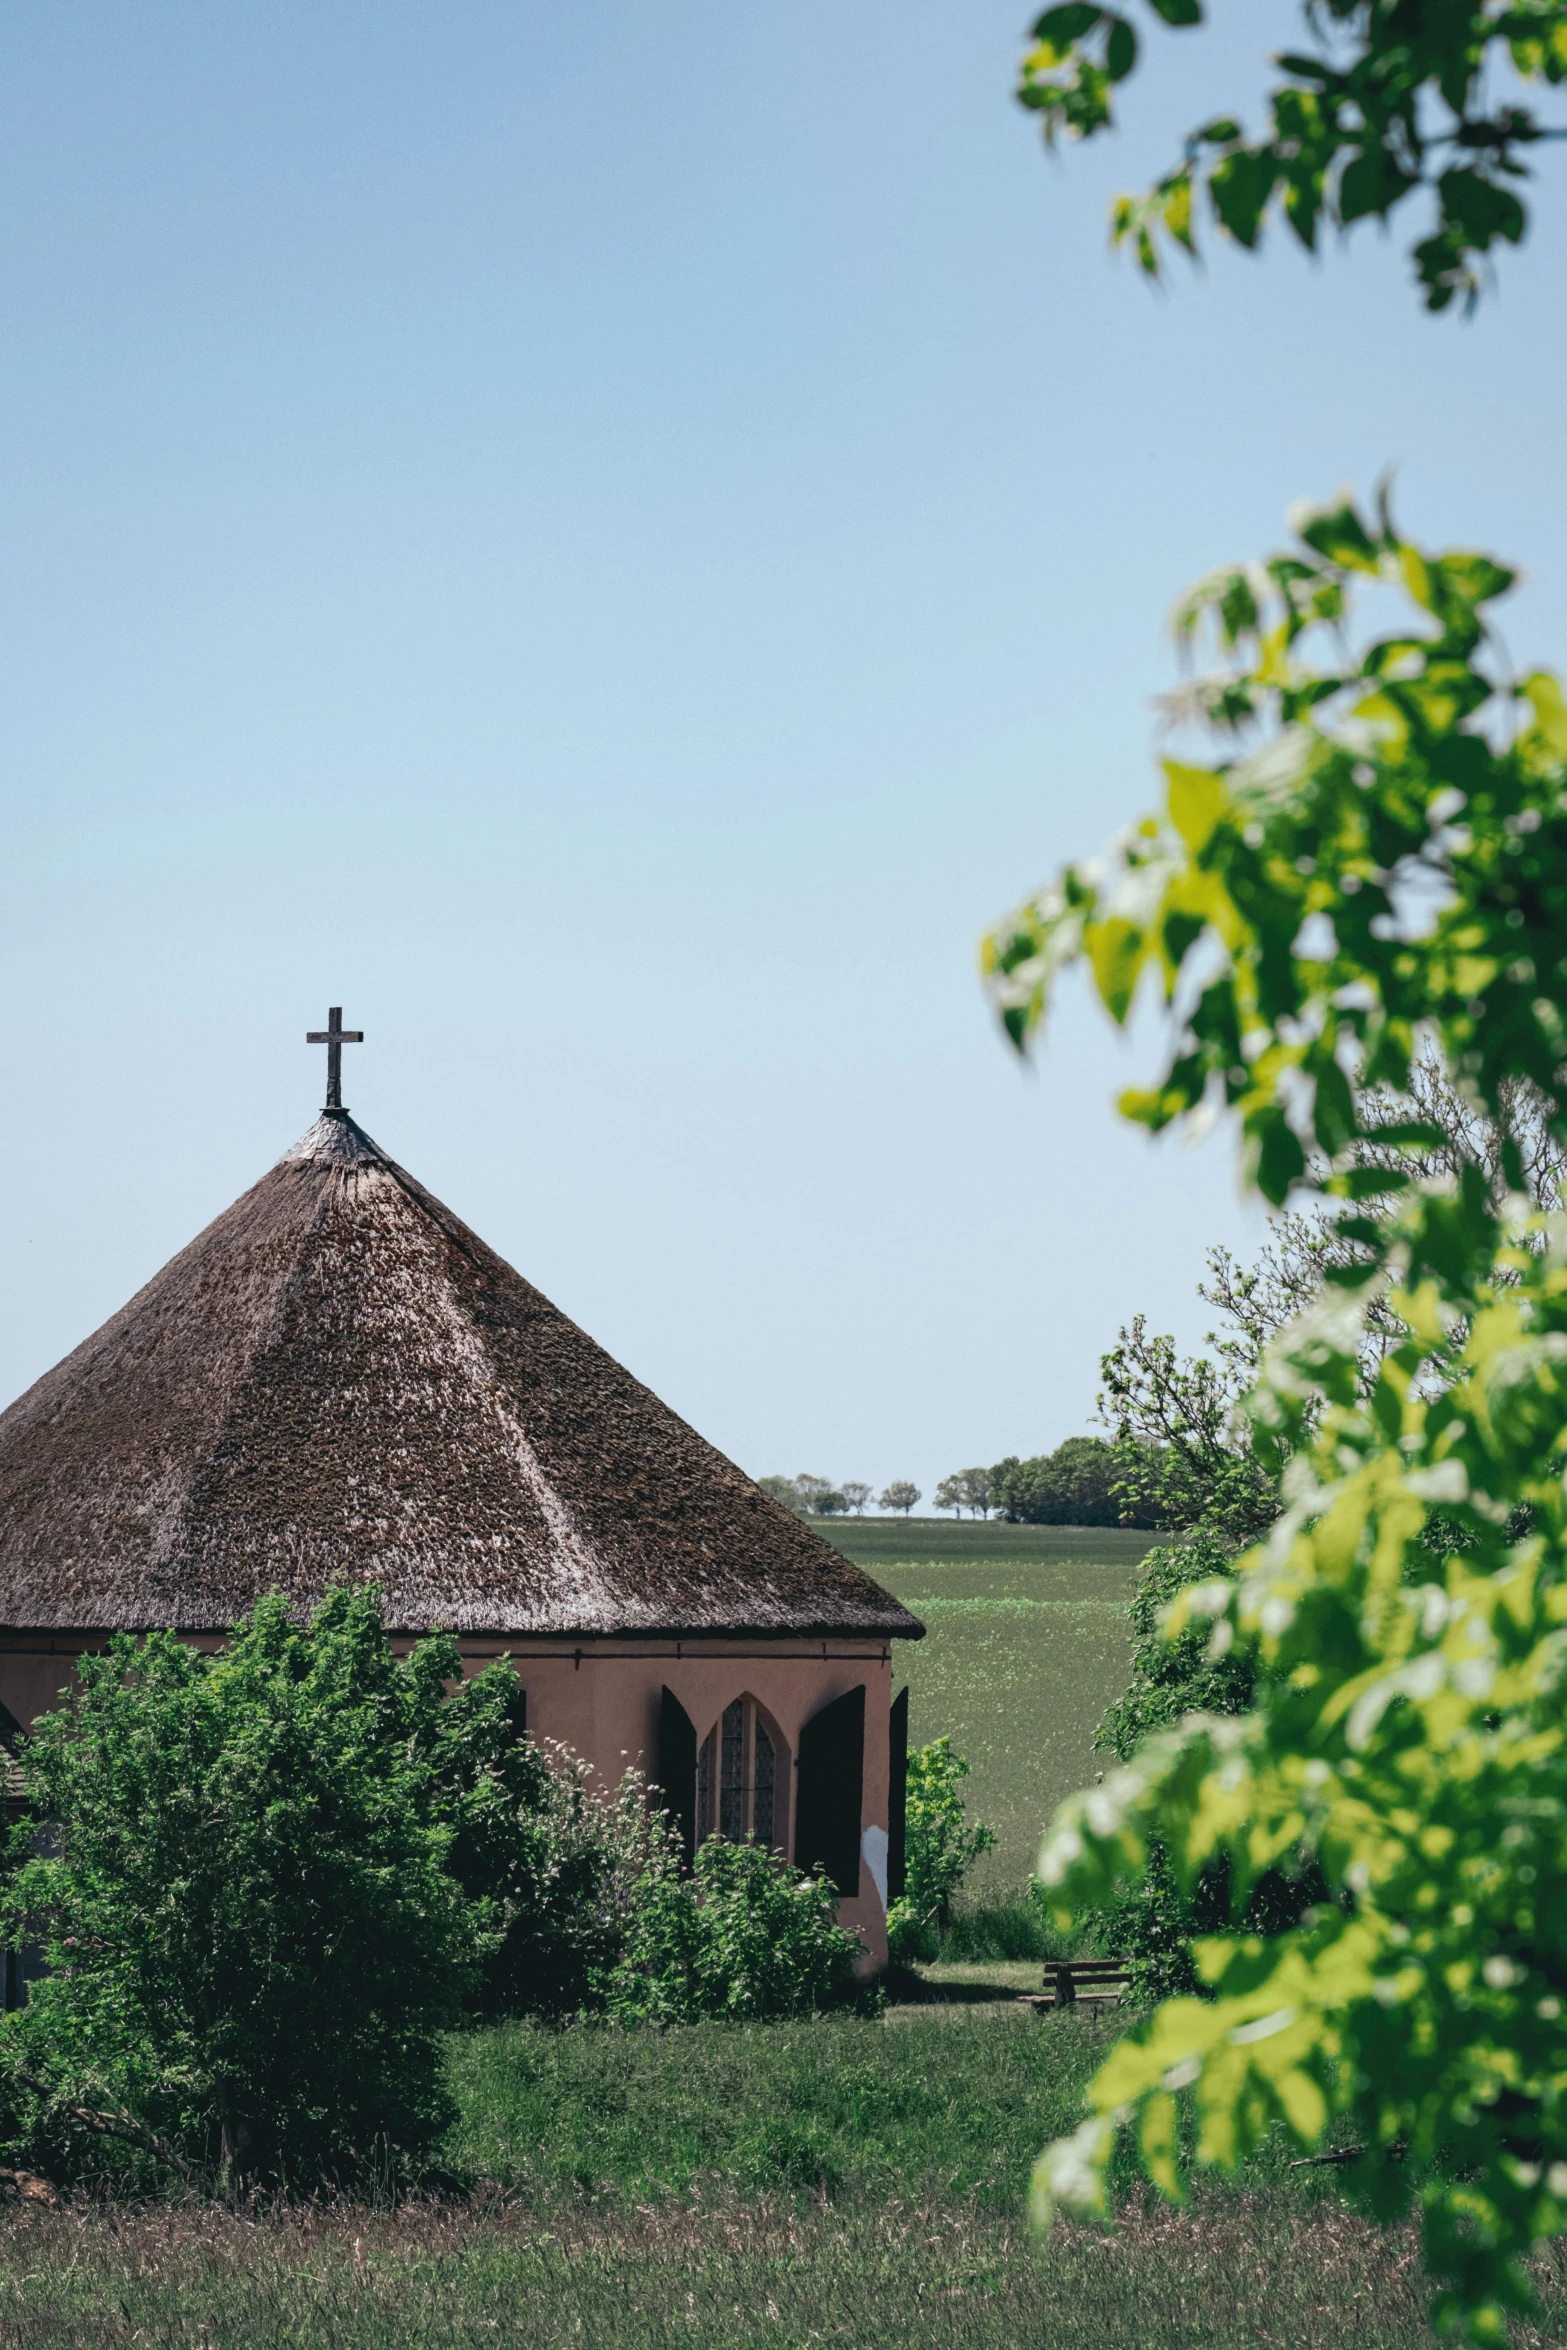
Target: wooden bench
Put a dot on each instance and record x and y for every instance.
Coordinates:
(1098, 1982)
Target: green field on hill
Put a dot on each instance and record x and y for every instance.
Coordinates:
(1026, 1643)
(874, 1543)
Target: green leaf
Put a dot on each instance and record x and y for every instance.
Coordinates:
(1120, 50)
(1059, 27)
(1478, 211)
(1333, 1107)
(1371, 1182)
(1410, 1134)
(1370, 185)
(1240, 187)
(1303, 205)
(1197, 798)
(1545, 696)
(1281, 1162)
(1315, 70)
(1175, 207)
(1177, 12)
(1476, 577)
(1338, 533)
(1116, 951)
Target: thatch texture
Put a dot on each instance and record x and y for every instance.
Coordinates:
(338, 1379)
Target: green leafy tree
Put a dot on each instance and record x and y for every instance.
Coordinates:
(742, 1936)
(253, 1940)
(940, 1847)
(1183, 1458)
(1081, 1471)
(974, 1484)
(816, 1496)
(811, 1497)
(1156, 1921)
(1172, 1677)
(1073, 1486)
(1385, 871)
(899, 1495)
(965, 1489)
(1386, 100)
(1182, 1453)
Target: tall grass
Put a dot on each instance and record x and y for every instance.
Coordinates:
(906, 2274)
(936, 2277)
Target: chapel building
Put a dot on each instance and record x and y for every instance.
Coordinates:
(338, 1381)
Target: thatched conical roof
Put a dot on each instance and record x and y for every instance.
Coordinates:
(338, 1379)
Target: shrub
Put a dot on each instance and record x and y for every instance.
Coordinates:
(273, 1877)
(744, 1935)
(252, 1939)
(266, 1881)
(940, 1847)
(545, 1850)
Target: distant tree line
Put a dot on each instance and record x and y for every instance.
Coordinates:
(966, 1489)
(819, 1497)
(1086, 1481)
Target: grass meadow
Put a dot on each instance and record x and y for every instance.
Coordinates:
(1026, 1644)
(848, 2181)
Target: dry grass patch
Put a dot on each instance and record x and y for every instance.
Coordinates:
(899, 2272)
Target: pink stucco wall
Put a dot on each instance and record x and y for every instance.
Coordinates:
(602, 1698)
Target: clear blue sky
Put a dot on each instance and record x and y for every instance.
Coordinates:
(610, 541)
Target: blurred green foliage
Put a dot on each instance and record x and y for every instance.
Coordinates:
(1384, 101)
(1385, 872)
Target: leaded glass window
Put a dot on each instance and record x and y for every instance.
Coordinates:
(704, 1791)
(732, 1805)
(762, 1788)
(741, 1779)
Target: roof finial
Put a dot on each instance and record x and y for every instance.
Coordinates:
(334, 1036)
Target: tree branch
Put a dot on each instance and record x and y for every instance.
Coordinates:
(110, 2125)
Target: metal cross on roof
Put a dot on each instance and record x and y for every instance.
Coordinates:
(334, 1036)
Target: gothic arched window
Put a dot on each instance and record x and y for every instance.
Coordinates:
(742, 1779)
